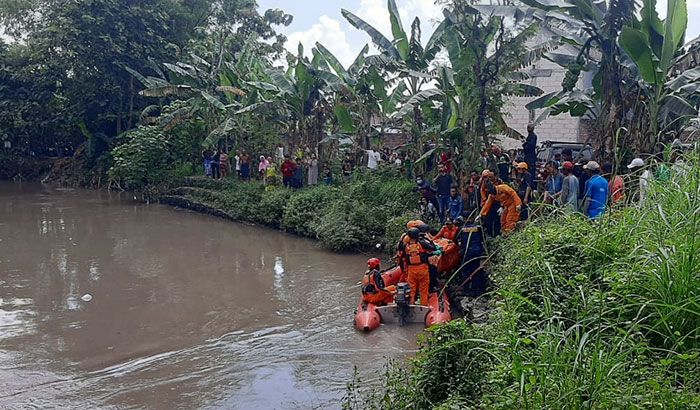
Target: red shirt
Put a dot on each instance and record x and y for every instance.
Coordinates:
(288, 168)
(616, 187)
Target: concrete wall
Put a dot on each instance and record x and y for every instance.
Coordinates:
(562, 127)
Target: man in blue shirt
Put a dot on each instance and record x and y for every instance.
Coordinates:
(443, 183)
(554, 182)
(596, 195)
(456, 204)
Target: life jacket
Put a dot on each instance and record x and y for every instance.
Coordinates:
(369, 284)
(415, 254)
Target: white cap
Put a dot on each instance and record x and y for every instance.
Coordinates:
(636, 163)
(592, 165)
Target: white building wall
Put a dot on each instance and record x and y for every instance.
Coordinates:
(562, 127)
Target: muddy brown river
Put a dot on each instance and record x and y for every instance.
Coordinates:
(186, 310)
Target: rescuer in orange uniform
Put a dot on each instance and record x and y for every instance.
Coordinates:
(449, 231)
(510, 205)
(416, 252)
(373, 290)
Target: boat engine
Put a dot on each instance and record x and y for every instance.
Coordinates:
(403, 300)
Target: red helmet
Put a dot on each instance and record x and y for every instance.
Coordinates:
(373, 263)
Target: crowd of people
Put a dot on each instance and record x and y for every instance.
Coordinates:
(500, 196)
(505, 190)
(292, 172)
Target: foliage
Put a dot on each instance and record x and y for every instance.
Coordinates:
(588, 315)
(348, 217)
(301, 214)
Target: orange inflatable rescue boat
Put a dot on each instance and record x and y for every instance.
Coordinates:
(369, 316)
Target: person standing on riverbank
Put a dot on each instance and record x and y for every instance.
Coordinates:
(553, 183)
(206, 157)
(245, 166)
(215, 165)
(616, 185)
(490, 221)
(224, 164)
(313, 170)
(530, 148)
(455, 206)
(510, 205)
(262, 168)
(569, 191)
(596, 196)
(288, 168)
(443, 182)
(526, 184)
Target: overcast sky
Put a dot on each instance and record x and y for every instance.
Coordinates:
(320, 20)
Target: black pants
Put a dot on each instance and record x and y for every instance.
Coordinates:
(432, 270)
(492, 221)
(215, 170)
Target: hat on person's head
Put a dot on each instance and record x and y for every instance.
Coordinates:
(486, 173)
(521, 165)
(636, 163)
(592, 165)
(567, 165)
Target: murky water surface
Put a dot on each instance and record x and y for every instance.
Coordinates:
(187, 311)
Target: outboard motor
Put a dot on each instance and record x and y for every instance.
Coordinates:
(403, 300)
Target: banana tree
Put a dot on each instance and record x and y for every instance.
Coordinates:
(592, 27)
(365, 94)
(652, 45)
(403, 57)
(487, 55)
(206, 96)
(299, 91)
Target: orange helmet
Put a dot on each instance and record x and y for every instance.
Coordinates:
(414, 224)
(373, 263)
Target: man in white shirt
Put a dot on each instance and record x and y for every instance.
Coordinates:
(373, 158)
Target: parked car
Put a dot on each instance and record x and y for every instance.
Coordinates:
(548, 149)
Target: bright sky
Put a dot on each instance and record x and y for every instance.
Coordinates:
(320, 20)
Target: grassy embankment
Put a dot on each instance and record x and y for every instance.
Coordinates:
(586, 316)
(355, 215)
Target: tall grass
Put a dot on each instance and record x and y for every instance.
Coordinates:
(602, 315)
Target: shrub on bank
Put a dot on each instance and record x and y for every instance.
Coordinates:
(351, 216)
(588, 315)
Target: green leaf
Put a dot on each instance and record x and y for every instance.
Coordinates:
(416, 100)
(400, 38)
(674, 33)
(342, 114)
(213, 100)
(383, 43)
(636, 45)
(167, 90)
(331, 60)
(542, 102)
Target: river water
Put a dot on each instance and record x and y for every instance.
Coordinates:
(187, 310)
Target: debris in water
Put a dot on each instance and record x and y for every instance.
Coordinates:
(86, 297)
(279, 269)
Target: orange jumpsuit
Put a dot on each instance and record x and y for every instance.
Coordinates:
(418, 270)
(447, 233)
(510, 202)
(373, 293)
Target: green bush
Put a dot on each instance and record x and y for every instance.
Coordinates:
(271, 208)
(370, 210)
(588, 315)
(305, 207)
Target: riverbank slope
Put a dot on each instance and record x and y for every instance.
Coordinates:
(370, 211)
(588, 315)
